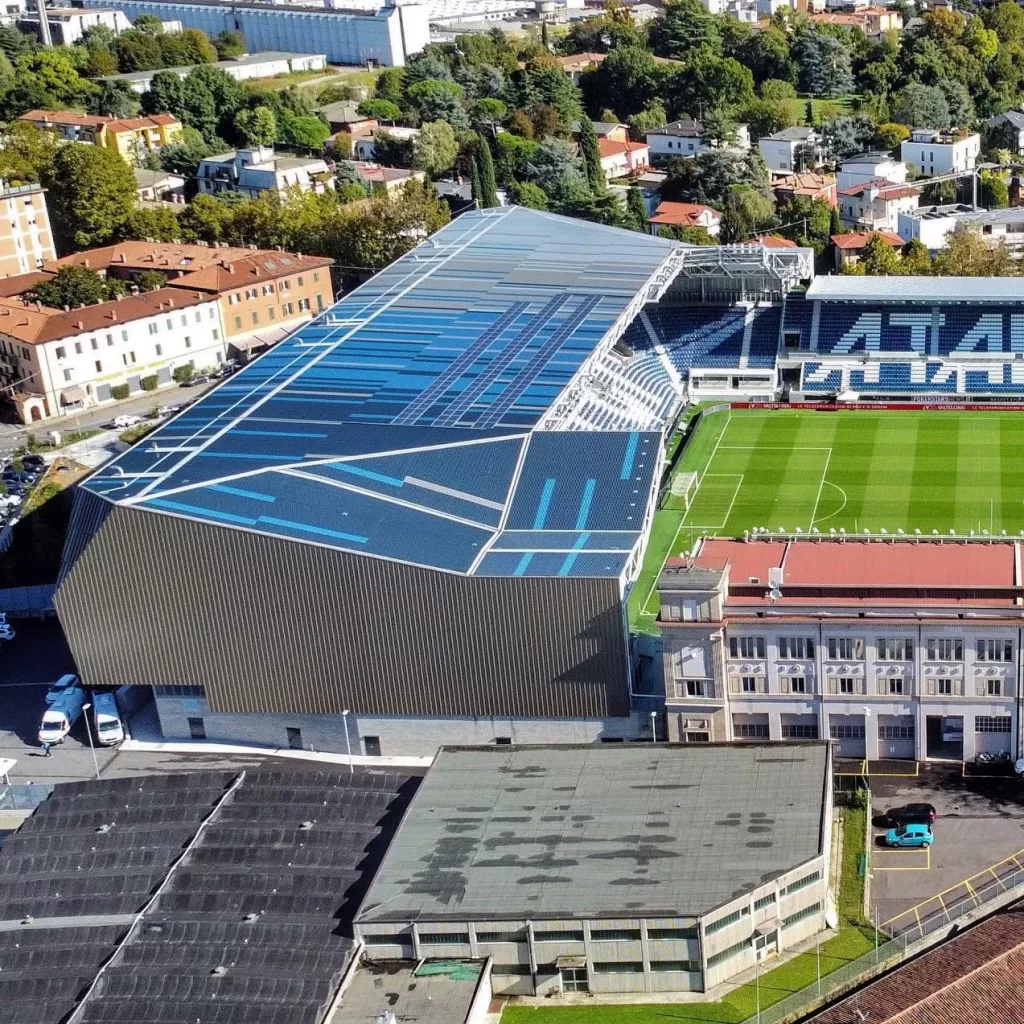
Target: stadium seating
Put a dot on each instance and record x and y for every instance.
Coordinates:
(821, 377)
(1000, 378)
(904, 377)
(764, 336)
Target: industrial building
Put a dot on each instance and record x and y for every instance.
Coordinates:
(608, 869)
(903, 649)
(386, 36)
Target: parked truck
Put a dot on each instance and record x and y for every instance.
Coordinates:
(61, 713)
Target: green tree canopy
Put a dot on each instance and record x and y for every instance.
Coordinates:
(70, 288)
(380, 110)
(435, 148)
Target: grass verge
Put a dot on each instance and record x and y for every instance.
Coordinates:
(38, 447)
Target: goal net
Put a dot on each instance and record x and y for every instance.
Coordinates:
(682, 490)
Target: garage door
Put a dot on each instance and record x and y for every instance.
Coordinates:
(896, 736)
(847, 732)
(992, 734)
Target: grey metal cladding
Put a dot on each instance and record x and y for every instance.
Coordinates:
(268, 624)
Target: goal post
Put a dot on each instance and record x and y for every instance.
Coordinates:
(683, 489)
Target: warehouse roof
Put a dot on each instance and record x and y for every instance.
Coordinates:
(599, 831)
(838, 287)
(401, 422)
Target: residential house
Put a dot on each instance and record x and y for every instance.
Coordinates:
(255, 170)
(685, 215)
(807, 184)
(687, 138)
(791, 149)
(159, 186)
(387, 179)
(26, 241)
(619, 159)
(871, 166)
(934, 152)
(131, 137)
(849, 248)
(365, 145)
(345, 117)
(877, 205)
(932, 225)
(1011, 127)
(772, 242)
(577, 64)
(873, 21)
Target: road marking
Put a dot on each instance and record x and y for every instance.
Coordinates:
(838, 510)
(814, 513)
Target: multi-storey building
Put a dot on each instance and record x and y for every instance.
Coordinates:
(903, 649)
(934, 152)
(26, 241)
(256, 170)
(132, 137)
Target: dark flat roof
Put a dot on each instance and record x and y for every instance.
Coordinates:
(599, 831)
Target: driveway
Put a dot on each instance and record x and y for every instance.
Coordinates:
(979, 827)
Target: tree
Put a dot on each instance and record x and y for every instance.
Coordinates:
(628, 79)
(117, 98)
(685, 27)
(708, 83)
(137, 50)
(916, 259)
(747, 211)
(150, 24)
(205, 219)
(767, 54)
(553, 163)
(487, 183)
(183, 157)
(380, 110)
(257, 126)
(70, 288)
(435, 148)
(719, 128)
(590, 154)
(889, 135)
(525, 193)
(27, 152)
(766, 117)
(958, 101)
(511, 155)
(654, 116)
(707, 177)
(922, 106)
(53, 73)
(390, 84)
(488, 114)
(994, 192)
(879, 258)
(391, 151)
(847, 135)
(229, 44)
(151, 280)
(476, 189)
(691, 234)
(165, 95)
(438, 99)
(97, 192)
(636, 206)
(304, 132)
(159, 223)
(825, 68)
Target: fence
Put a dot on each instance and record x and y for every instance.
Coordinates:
(23, 796)
(913, 936)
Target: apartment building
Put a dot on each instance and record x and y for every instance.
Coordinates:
(132, 137)
(256, 170)
(687, 138)
(892, 650)
(934, 152)
(26, 241)
(876, 205)
(63, 361)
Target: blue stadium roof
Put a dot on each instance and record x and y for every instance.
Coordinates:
(400, 423)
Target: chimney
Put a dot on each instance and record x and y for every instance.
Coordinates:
(79, 326)
(230, 267)
(113, 314)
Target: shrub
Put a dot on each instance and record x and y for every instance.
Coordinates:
(183, 373)
(136, 433)
(120, 392)
(150, 383)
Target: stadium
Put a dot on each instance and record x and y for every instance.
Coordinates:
(421, 519)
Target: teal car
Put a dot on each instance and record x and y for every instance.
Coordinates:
(920, 836)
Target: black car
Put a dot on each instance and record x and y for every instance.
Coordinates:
(911, 814)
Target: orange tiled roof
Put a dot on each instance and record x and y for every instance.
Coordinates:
(858, 239)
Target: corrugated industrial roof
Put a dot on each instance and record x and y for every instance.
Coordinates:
(598, 831)
(401, 423)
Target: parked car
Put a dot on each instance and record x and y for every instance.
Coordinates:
(8, 501)
(910, 835)
(34, 462)
(910, 814)
(122, 422)
(199, 378)
(170, 410)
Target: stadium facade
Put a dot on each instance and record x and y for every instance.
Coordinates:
(413, 522)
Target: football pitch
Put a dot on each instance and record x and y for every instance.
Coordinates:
(788, 469)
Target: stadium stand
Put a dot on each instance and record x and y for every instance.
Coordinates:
(214, 896)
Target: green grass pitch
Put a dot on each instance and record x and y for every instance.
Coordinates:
(788, 469)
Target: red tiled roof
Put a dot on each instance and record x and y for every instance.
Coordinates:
(609, 147)
(253, 267)
(687, 214)
(974, 979)
(65, 117)
(886, 189)
(773, 242)
(858, 239)
(134, 124)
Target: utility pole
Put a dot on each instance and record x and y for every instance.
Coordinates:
(44, 26)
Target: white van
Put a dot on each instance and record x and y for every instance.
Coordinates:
(105, 719)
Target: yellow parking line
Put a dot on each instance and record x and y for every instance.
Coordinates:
(997, 878)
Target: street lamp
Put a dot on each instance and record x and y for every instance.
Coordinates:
(348, 742)
(654, 731)
(88, 732)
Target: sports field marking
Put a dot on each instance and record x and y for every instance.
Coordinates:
(821, 486)
(738, 477)
(838, 510)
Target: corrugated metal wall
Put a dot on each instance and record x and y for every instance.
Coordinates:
(267, 624)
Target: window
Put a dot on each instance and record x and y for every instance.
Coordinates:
(67, 376)
(153, 328)
(995, 687)
(179, 691)
(301, 280)
(846, 684)
(199, 317)
(845, 732)
(319, 302)
(304, 305)
(78, 348)
(216, 334)
(197, 729)
(251, 293)
(284, 286)
(559, 936)
(728, 953)
(798, 647)
(695, 688)
(845, 648)
(124, 335)
(895, 732)
(889, 649)
(895, 685)
(517, 970)
(184, 320)
(724, 922)
(238, 323)
(615, 934)
(618, 967)
(110, 340)
(764, 901)
(801, 883)
(188, 341)
(98, 366)
(387, 940)
(749, 684)
(991, 723)
(995, 650)
(799, 731)
(60, 352)
(501, 936)
(671, 933)
(750, 730)
(131, 357)
(94, 343)
(170, 324)
(371, 745)
(268, 289)
(294, 738)
(316, 276)
(503, 741)
(159, 349)
(800, 915)
(255, 317)
(271, 313)
(663, 966)
(944, 687)
(792, 684)
(287, 309)
(746, 647)
(442, 939)
(213, 313)
(233, 300)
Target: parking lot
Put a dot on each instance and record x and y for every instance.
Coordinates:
(979, 838)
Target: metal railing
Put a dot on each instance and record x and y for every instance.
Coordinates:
(915, 936)
(23, 796)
